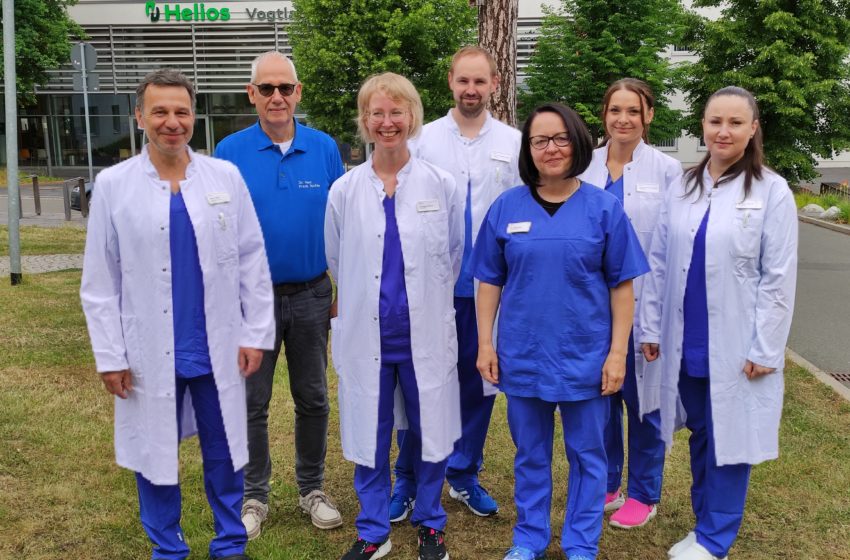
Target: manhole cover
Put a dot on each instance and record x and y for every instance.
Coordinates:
(842, 377)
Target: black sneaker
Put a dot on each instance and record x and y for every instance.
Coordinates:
(432, 544)
(365, 550)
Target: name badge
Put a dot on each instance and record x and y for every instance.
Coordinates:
(519, 227)
(428, 205)
(499, 156)
(749, 204)
(218, 198)
(648, 187)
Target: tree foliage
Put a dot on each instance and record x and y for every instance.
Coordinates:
(42, 42)
(585, 45)
(793, 56)
(337, 44)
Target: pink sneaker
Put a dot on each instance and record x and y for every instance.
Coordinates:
(633, 514)
(614, 501)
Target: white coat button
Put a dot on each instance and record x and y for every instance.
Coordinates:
(163, 270)
(165, 310)
(377, 276)
(161, 228)
(167, 353)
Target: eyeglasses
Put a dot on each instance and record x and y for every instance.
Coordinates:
(561, 140)
(267, 90)
(395, 116)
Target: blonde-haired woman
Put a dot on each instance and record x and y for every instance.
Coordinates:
(394, 240)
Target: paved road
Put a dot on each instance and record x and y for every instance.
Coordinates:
(821, 329)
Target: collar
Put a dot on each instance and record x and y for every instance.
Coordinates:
(636, 154)
(485, 128)
(150, 169)
(262, 141)
(376, 181)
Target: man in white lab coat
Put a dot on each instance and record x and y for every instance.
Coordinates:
(177, 295)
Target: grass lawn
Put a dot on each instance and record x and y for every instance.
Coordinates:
(24, 179)
(62, 497)
(37, 240)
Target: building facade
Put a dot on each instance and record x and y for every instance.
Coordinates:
(211, 42)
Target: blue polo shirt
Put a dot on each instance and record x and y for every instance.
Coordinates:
(290, 192)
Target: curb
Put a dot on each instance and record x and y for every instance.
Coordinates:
(824, 224)
(819, 374)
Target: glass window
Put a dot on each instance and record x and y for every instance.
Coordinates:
(230, 103)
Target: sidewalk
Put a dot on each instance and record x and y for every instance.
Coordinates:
(35, 264)
(52, 210)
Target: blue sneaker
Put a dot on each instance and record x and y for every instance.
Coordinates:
(521, 553)
(477, 499)
(400, 506)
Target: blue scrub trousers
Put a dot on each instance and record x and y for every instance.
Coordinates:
(718, 494)
(160, 505)
(532, 425)
(475, 411)
(646, 448)
(373, 485)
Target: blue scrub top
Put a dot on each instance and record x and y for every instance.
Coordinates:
(393, 306)
(615, 187)
(556, 273)
(695, 337)
(191, 350)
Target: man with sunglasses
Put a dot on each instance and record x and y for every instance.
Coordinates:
(482, 154)
(289, 169)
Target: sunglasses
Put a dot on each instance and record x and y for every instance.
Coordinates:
(267, 90)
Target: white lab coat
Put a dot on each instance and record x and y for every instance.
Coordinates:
(126, 297)
(490, 161)
(429, 211)
(646, 179)
(751, 275)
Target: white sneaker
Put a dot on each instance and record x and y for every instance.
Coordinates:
(254, 512)
(322, 511)
(680, 546)
(697, 552)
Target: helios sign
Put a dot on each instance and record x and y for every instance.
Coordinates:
(197, 12)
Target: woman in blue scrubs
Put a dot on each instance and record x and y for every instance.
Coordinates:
(726, 240)
(556, 257)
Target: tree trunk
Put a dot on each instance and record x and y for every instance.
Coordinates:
(497, 21)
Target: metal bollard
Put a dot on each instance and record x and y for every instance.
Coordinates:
(66, 195)
(84, 200)
(36, 195)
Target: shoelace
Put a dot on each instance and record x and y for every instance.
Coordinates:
(432, 538)
(254, 510)
(313, 499)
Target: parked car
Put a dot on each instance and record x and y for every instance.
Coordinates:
(75, 195)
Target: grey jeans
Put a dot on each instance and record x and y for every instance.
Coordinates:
(302, 321)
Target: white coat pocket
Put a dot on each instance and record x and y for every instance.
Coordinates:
(649, 204)
(746, 240)
(224, 233)
(435, 230)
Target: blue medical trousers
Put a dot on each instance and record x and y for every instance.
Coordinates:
(373, 485)
(646, 448)
(475, 411)
(718, 494)
(532, 425)
(160, 505)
